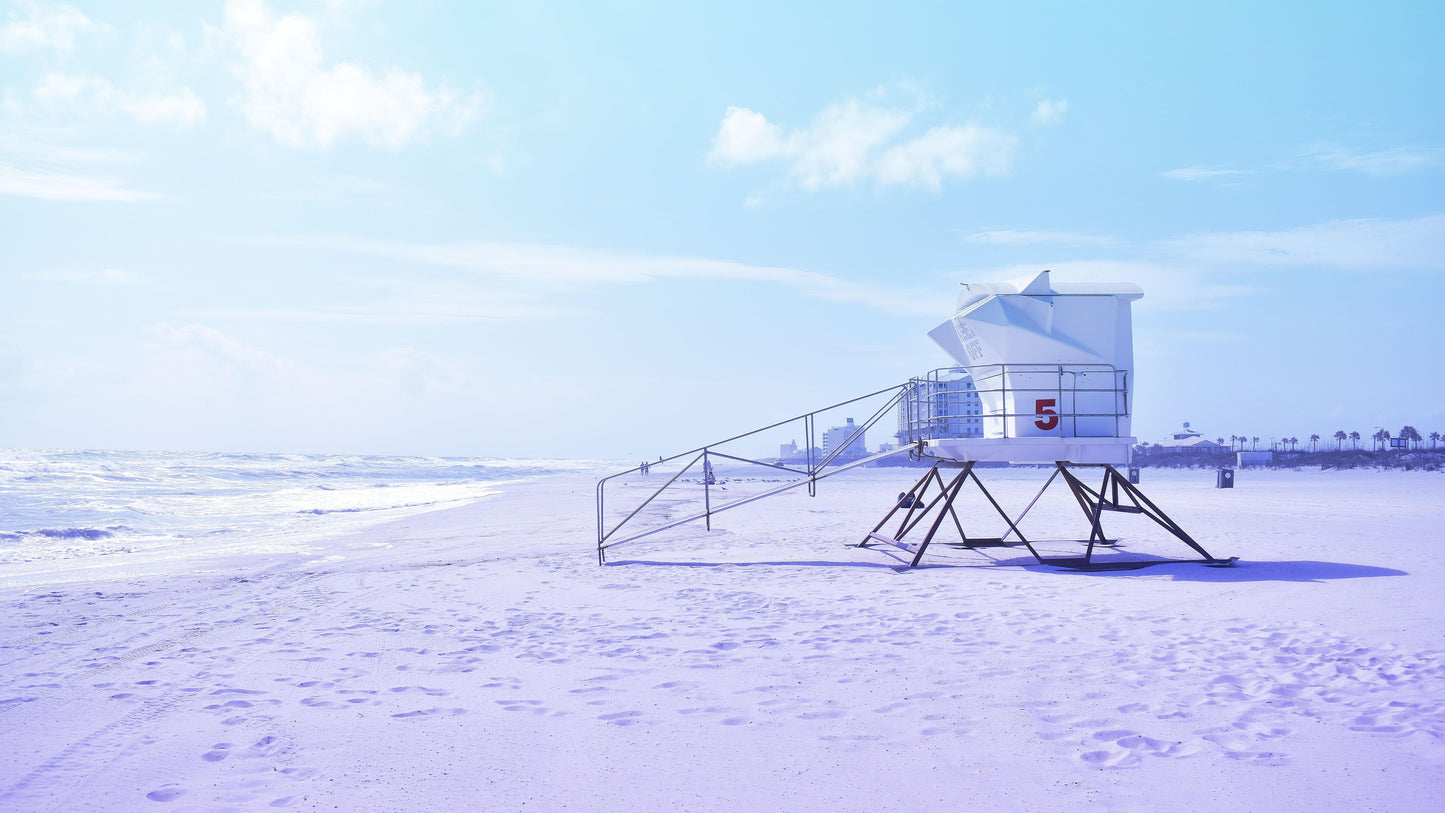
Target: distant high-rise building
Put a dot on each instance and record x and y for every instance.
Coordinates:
(940, 408)
(838, 437)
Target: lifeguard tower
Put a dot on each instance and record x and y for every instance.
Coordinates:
(1052, 368)
(1052, 365)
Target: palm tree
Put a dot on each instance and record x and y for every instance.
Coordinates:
(1355, 439)
(1314, 442)
(1340, 439)
(1411, 435)
(1434, 439)
(1232, 439)
(1254, 443)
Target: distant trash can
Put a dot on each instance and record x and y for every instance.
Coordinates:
(1226, 479)
(1134, 475)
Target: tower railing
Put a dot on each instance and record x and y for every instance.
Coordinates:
(922, 418)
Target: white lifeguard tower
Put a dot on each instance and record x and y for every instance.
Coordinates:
(1052, 367)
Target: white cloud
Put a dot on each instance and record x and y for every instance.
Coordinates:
(1363, 244)
(47, 185)
(1380, 163)
(108, 276)
(1050, 111)
(205, 348)
(46, 146)
(290, 93)
(460, 307)
(850, 142)
(1020, 237)
(180, 107)
(836, 149)
(960, 152)
(45, 26)
(746, 137)
(527, 272)
(1202, 173)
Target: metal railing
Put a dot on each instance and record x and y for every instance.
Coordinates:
(991, 381)
(924, 420)
(816, 465)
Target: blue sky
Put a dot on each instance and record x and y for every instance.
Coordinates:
(624, 229)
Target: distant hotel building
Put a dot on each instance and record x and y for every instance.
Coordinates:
(838, 436)
(835, 438)
(940, 408)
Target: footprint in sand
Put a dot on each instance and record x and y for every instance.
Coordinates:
(423, 689)
(167, 793)
(621, 717)
(1236, 748)
(1157, 748)
(218, 752)
(429, 713)
(1113, 758)
(534, 706)
(233, 704)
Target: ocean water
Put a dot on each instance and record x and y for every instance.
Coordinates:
(60, 505)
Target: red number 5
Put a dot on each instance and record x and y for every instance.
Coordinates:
(1048, 416)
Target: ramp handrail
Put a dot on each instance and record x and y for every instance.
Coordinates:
(810, 475)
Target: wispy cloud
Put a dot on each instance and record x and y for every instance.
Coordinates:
(1029, 237)
(851, 142)
(1378, 163)
(177, 106)
(1390, 162)
(1362, 245)
(108, 276)
(48, 146)
(44, 26)
(1207, 270)
(292, 94)
(1203, 173)
(526, 269)
(1050, 111)
(462, 307)
(211, 345)
(47, 185)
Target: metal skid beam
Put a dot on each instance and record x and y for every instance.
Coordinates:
(1115, 493)
(943, 501)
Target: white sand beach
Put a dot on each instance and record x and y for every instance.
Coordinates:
(478, 658)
